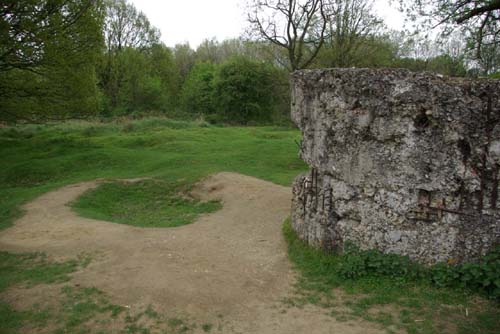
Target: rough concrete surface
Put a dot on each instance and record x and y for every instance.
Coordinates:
(402, 162)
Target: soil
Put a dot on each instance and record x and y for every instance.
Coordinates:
(230, 266)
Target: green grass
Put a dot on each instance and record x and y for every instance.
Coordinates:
(413, 305)
(36, 159)
(28, 270)
(148, 203)
(78, 309)
(31, 269)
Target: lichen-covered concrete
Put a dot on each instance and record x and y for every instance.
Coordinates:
(402, 162)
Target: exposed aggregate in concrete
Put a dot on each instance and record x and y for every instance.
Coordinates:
(402, 162)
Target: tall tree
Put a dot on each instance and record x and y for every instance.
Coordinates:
(28, 27)
(478, 19)
(125, 26)
(351, 27)
(298, 26)
(185, 59)
(48, 53)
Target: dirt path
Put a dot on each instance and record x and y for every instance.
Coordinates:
(231, 263)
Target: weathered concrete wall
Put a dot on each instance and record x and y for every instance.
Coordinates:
(402, 162)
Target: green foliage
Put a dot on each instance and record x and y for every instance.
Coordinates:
(377, 287)
(239, 91)
(367, 51)
(139, 81)
(244, 91)
(355, 264)
(481, 277)
(198, 92)
(50, 71)
(148, 203)
(443, 64)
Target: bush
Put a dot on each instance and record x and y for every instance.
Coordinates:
(244, 90)
(356, 263)
(198, 92)
(482, 277)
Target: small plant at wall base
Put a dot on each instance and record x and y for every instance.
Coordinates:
(390, 290)
(482, 277)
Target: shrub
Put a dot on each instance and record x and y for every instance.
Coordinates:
(198, 91)
(482, 277)
(244, 90)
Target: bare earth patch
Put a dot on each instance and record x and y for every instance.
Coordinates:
(229, 267)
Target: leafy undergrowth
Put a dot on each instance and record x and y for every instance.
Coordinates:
(146, 203)
(393, 299)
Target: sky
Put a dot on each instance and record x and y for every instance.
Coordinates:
(195, 20)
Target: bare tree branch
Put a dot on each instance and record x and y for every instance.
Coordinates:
(295, 25)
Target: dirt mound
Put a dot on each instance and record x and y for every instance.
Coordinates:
(230, 264)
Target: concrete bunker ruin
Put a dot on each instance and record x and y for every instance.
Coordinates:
(402, 162)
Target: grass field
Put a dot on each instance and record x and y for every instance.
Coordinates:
(172, 155)
(38, 158)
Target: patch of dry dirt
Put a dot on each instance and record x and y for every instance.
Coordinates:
(231, 264)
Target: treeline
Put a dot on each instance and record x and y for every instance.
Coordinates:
(210, 83)
(74, 59)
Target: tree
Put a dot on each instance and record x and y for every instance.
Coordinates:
(244, 91)
(48, 53)
(209, 51)
(184, 58)
(28, 27)
(127, 27)
(198, 94)
(352, 27)
(298, 26)
(478, 19)
(369, 51)
(163, 67)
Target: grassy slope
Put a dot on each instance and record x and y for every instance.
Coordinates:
(38, 158)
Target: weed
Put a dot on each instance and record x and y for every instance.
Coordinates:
(207, 327)
(420, 306)
(151, 313)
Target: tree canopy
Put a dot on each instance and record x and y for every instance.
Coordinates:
(63, 59)
(478, 19)
(48, 52)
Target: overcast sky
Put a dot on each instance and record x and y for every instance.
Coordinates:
(195, 20)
